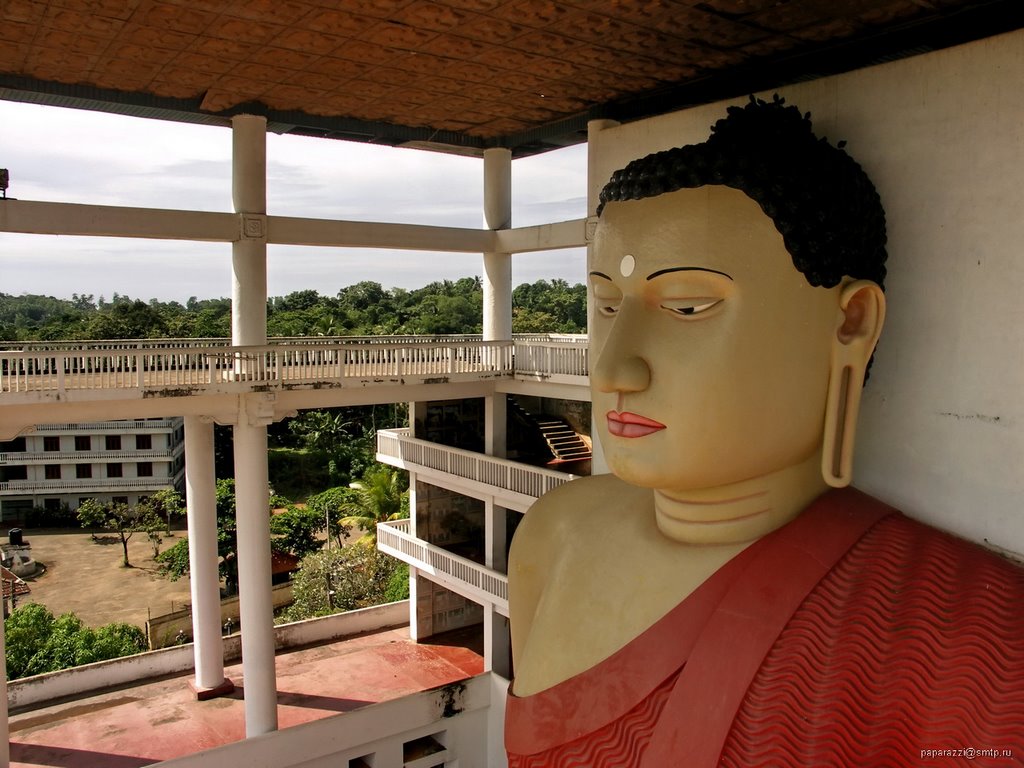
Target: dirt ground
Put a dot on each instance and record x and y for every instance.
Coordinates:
(86, 577)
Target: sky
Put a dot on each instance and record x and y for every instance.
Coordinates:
(78, 156)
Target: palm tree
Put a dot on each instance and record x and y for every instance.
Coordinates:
(378, 498)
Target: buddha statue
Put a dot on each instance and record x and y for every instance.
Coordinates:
(724, 597)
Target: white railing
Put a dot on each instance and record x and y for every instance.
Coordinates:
(126, 426)
(218, 341)
(198, 368)
(172, 367)
(86, 457)
(475, 581)
(96, 484)
(567, 357)
(492, 471)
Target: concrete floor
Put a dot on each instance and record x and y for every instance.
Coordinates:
(144, 724)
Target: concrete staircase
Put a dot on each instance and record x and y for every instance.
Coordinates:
(565, 444)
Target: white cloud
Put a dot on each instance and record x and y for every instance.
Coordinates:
(91, 157)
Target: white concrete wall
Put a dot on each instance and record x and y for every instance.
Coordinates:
(942, 136)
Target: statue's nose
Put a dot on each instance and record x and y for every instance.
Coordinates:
(620, 365)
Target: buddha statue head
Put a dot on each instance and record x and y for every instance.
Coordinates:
(738, 299)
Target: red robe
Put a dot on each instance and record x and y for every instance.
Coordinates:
(850, 637)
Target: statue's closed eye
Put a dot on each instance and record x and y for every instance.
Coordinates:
(689, 307)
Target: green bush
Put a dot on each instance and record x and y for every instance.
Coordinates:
(332, 581)
(36, 642)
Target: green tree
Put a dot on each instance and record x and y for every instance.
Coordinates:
(165, 505)
(296, 530)
(379, 497)
(329, 506)
(37, 642)
(119, 518)
(331, 581)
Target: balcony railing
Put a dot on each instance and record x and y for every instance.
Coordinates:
(90, 457)
(185, 370)
(120, 427)
(497, 473)
(91, 484)
(568, 357)
(473, 580)
(182, 367)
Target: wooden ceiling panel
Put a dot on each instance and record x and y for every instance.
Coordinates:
(485, 69)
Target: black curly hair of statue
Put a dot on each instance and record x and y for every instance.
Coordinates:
(823, 204)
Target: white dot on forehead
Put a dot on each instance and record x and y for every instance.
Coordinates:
(627, 265)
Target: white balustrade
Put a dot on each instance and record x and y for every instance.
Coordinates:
(476, 581)
(175, 367)
(500, 474)
(104, 484)
(86, 457)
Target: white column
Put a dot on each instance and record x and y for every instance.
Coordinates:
(201, 502)
(497, 643)
(496, 424)
(254, 576)
(249, 327)
(5, 735)
(595, 182)
(495, 536)
(497, 266)
(249, 253)
(497, 640)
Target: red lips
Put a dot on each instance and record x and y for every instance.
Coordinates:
(628, 424)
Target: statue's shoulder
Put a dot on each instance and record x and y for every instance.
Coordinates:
(584, 498)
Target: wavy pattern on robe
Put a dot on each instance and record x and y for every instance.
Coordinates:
(621, 742)
(914, 641)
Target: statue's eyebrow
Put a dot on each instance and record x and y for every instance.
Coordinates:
(685, 269)
(602, 274)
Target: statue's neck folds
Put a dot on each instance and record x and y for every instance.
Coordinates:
(740, 512)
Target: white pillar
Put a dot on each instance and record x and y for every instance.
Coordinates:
(497, 640)
(249, 327)
(496, 424)
(5, 735)
(595, 182)
(254, 575)
(497, 266)
(497, 643)
(249, 253)
(201, 502)
(495, 536)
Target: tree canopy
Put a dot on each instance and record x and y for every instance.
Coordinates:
(38, 642)
(366, 308)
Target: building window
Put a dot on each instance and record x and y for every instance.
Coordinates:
(114, 470)
(143, 442)
(51, 505)
(145, 469)
(53, 471)
(113, 443)
(83, 471)
(120, 500)
(51, 443)
(83, 443)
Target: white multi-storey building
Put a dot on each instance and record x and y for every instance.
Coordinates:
(62, 464)
(939, 133)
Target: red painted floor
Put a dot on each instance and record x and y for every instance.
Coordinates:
(156, 721)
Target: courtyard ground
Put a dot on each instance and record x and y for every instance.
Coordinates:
(85, 576)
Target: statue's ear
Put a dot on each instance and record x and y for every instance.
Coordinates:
(860, 318)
